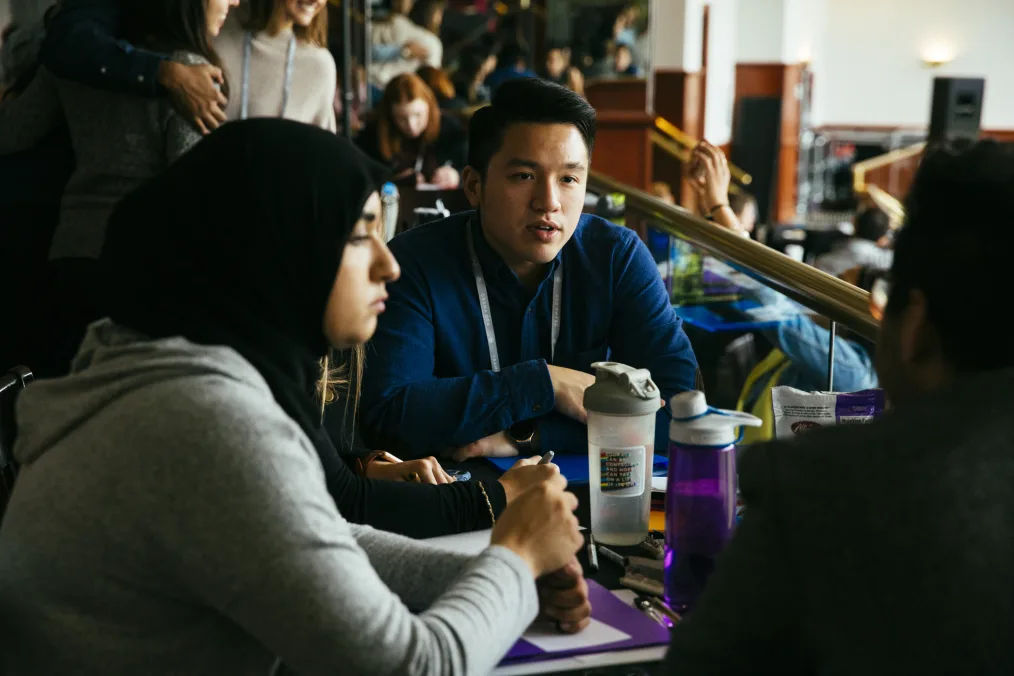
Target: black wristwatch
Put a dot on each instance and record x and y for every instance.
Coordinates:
(522, 434)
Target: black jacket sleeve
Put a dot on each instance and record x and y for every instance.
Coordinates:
(415, 510)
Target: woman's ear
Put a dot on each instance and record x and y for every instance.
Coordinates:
(471, 182)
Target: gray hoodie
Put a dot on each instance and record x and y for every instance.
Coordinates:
(171, 519)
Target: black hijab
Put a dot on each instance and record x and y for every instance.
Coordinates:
(238, 243)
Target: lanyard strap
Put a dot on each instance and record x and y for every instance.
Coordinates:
(290, 57)
(487, 316)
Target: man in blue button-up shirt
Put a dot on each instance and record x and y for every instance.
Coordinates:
(430, 382)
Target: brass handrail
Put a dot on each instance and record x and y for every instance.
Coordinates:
(820, 292)
(689, 142)
(859, 169)
(681, 154)
(887, 203)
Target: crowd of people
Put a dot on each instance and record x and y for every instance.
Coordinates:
(218, 476)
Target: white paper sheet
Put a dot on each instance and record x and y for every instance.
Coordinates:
(546, 637)
(659, 483)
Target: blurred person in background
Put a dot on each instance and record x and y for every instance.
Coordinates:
(512, 61)
(403, 44)
(869, 245)
(474, 66)
(408, 134)
(290, 73)
(558, 69)
(119, 140)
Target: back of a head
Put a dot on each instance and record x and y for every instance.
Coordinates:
(512, 55)
(872, 224)
(526, 101)
(955, 247)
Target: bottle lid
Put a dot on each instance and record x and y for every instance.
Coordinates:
(389, 190)
(621, 390)
(694, 423)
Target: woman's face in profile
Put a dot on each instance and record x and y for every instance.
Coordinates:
(411, 118)
(359, 291)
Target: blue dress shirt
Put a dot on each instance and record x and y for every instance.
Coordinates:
(428, 385)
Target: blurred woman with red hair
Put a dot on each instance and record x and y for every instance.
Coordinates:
(408, 133)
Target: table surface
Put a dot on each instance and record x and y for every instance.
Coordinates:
(608, 574)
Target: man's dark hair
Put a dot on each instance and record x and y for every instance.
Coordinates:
(955, 247)
(873, 224)
(526, 100)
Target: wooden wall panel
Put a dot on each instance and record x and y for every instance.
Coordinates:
(623, 147)
(678, 97)
(629, 94)
(777, 80)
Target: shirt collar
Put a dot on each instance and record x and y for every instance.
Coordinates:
(493, 266)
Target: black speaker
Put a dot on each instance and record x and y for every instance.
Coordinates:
(957, 109)
(755, 144)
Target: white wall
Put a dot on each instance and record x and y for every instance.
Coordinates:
(869, 69)
(678, 34)
(721, 83)
(761, 27)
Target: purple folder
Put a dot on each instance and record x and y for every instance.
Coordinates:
(608, 609)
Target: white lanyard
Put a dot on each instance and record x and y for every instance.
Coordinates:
(487, 317)
(286, 86)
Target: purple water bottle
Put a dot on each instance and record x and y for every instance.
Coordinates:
(700, 499)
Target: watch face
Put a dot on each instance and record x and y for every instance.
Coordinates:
(522, 432)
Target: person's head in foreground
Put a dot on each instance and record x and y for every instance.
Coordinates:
(950, 262)
(189, 450)
(529, 154)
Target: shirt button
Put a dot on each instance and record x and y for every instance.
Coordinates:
(537, 407)
(529, 311)
(102, 70)
(140, 78)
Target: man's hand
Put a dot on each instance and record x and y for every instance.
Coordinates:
(494, 446)
(426, 470)
(195, 92)
(710, 176)
(569, 386)
(563, 597)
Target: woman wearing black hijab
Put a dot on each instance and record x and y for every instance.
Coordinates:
(181, 275)
(172, 514)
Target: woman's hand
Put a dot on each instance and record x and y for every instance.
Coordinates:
(540, 526)
(710, 176)
(525, 474)
(446, 178)
(563, 597)
(426, 470)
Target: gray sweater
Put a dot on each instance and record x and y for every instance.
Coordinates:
(119, 140)
(171, 519)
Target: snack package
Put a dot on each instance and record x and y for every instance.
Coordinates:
(796, 412)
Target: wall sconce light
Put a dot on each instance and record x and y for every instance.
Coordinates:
(935, 56)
